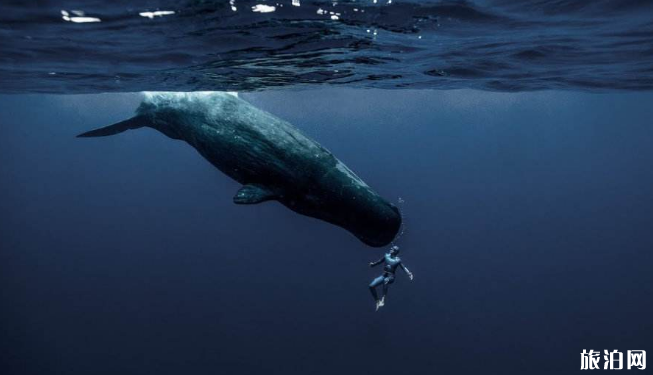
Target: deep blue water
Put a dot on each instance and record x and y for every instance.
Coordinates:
(528, 230)
(520, 143)
(498, 45)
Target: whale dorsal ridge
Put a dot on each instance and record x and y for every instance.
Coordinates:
(252, 194)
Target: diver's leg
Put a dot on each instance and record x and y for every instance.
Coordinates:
(386, 283)
(376, 282)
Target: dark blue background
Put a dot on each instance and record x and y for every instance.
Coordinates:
(529, 230)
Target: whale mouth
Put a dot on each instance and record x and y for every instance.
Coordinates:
(384, 233)
(378, 241)
(373, 242)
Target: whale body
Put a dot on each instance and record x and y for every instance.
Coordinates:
(270, 157)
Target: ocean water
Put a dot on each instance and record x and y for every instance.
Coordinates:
(499, 45)
(527, 228)
(516, 135)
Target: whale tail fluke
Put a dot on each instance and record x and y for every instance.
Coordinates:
(132, 123)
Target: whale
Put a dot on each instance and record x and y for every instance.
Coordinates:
(271, 158)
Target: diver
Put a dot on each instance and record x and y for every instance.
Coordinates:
(392, 261)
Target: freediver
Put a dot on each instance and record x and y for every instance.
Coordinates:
(392, 261)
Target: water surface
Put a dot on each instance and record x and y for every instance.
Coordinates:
(245, 45)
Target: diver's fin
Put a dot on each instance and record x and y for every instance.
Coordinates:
(252, 194)
(132, 123)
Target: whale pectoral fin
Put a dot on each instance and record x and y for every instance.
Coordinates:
(252, 194)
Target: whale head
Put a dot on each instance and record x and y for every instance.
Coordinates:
(375, 222)
(366, 215)
(342, 198)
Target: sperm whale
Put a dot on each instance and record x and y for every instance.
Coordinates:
(270, 157)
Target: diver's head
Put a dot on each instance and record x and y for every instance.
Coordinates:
(394, 250)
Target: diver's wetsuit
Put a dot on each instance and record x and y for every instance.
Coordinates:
(388, 277)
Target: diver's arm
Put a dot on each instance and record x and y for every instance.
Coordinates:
(410, 274)
(372, 264)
